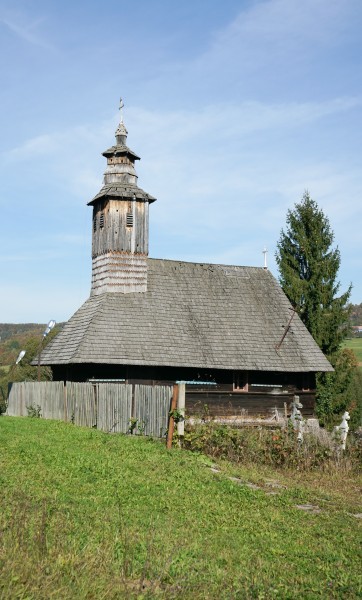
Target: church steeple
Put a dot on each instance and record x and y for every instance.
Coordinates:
(120, 223)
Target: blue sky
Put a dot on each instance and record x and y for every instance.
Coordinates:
(235, 108)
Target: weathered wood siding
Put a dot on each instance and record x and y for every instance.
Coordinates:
(221, 404)
(111, 232)
(116, 272)
(120, 246)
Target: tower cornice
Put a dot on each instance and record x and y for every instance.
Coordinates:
(122, 192)
(120, 150)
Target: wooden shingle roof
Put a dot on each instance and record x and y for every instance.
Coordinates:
(119, 150)
(122, 191)
(193, 315)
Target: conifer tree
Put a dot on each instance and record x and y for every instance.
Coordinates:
(308, 266)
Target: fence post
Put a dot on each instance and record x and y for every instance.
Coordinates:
(181, 409)
(65, 401)
(95, 398)
(171, 420)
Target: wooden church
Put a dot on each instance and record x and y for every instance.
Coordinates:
(154, 320)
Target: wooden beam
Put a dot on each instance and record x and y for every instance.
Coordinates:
(171, 421)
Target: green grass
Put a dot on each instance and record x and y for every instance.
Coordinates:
(355, 344)
(88, 515)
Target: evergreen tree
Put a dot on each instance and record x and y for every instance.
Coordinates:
(308, 266)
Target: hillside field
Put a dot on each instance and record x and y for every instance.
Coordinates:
(355, 344)
(88, 515)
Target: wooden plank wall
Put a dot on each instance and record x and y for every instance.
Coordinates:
(218, 404)
(108, 406)
(114, 235)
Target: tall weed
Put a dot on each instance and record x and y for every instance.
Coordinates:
(273, 447)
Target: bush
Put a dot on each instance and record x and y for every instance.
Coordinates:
(34, 411)
(341, 390)
(3, 404)
(272, 447)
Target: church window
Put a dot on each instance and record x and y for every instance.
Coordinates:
(101, 220)
(129, 219)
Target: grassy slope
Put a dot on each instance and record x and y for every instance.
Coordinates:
(89, 515)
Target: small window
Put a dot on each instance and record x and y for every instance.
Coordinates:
(129, 219)
(95, 223)
(101, 220)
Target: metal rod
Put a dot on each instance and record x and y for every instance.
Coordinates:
(39, 355)
(277, 347)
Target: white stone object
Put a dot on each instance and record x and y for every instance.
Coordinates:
(341, 430)
(297, 418)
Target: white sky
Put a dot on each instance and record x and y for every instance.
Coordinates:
(235, 108)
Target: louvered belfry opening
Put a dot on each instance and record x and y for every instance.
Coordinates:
(120, 224)
(129, 219)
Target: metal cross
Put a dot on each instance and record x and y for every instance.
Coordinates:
(265, 252)
(121, 105)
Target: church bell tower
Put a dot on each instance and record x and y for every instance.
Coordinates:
(120, 223)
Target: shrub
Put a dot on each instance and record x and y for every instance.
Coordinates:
(340, 390)
(34, 411)
(272, 447)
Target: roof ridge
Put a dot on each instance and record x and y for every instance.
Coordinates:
(204, 263)
(97, 301)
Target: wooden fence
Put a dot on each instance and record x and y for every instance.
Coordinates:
(111, 407)
(144, 409)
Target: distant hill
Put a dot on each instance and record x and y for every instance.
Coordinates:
(15, 336)
(8, 330)
(356, 314)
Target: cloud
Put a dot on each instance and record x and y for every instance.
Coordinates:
(68, 159)
(52, 142)
(28, 32)
(283, 29)
(33, 148)
(237, 153)
(73, 155)
(227, 120)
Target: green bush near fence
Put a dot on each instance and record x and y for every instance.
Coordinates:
(88, 515)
